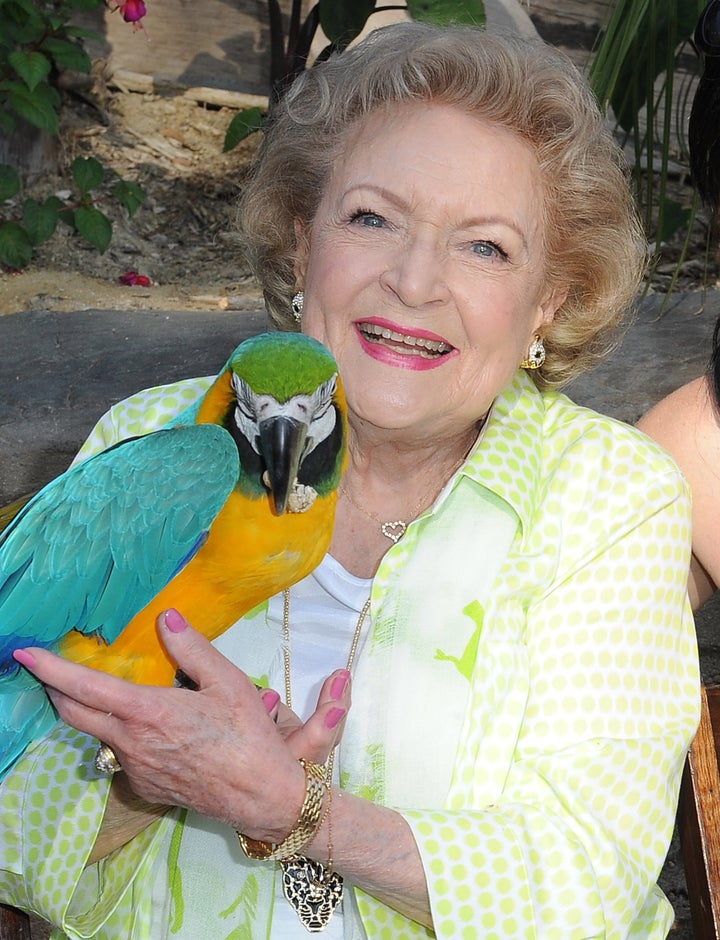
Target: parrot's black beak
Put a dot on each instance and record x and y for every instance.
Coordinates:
(282, 441)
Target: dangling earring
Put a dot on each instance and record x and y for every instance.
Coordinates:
(298, 302)
(536, 355)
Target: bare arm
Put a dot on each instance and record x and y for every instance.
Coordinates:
(126, 816)
(686, 424)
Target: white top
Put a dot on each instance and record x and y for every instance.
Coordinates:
(324, 611)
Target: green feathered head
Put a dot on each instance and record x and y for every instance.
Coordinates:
(287, 413)
(283, 364)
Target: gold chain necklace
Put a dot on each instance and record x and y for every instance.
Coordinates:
(393, 530)
(314, 890)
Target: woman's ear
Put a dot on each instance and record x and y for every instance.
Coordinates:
(302, 251)
(550, 305)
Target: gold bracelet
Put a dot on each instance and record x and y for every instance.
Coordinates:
(309, 820)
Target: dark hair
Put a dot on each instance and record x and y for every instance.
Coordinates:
(704, 141)
(704, 125)
(713, 370)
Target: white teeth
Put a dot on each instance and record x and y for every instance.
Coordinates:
(418, 345)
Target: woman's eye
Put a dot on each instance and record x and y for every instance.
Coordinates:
(370, 219)
(488, 250)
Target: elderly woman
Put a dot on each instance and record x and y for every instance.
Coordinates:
(445, 211)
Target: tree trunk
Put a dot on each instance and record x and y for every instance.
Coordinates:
(30, 151)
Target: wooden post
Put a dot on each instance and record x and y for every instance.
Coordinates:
(30, 151)
(14, 924)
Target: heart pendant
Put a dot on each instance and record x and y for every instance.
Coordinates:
(393, 530)
(312, 891)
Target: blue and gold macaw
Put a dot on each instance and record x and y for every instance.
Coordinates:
(210, 517)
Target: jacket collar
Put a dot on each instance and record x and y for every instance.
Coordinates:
(507, 456)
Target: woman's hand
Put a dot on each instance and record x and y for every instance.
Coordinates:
(216, 750)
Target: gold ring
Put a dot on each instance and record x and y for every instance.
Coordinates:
(105, 760)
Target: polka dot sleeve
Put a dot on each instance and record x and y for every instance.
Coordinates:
(578, 835)
(143, 412)
(52, 804)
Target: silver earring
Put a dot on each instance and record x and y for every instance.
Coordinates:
(536, 355)
(298, 302)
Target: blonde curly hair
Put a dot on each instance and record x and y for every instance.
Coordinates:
(594, 245)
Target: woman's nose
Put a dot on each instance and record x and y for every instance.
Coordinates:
(417, 273)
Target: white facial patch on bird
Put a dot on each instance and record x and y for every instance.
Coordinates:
(315, 411)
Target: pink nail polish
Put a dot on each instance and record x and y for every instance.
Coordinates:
(338, 685)
(24, 658)
(174, 621)
(270, 698)
(334, 717)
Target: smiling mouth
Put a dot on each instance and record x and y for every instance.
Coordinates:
(403, 342)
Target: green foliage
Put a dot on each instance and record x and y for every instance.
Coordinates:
(129, 194)
(15, 245)
(469, 13)
(341, 21)
(38, 220)
(243, 124)
(37, 42)
(9, 182)
(635, 72)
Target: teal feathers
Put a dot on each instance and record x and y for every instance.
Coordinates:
(90, 552)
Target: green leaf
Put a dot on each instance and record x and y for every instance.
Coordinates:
(343, 20)
(652, 52)
(9, 182)
(444, 12)
(40, 220)
(67, 54)
(88, 173)
(15, 247)
(32, 67)
(37, 106)
(7, 122)
(85, 4)
(94, 226)
(23, 23)
(673, 218)
(79, 32)
(67, 216)
(130, 195)
(615, 43)
(244, 123)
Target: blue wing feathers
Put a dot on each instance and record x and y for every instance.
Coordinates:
(96, 545)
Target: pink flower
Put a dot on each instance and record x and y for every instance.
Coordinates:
(133, 279)
(132, 10)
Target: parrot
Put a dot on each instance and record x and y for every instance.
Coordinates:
(230, 503)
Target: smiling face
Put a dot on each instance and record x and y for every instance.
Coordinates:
(423, 268)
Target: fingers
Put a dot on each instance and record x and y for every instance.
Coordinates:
(315, 739)
(96, 690)
(99, 704)
(95, 701)
(271, 701)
